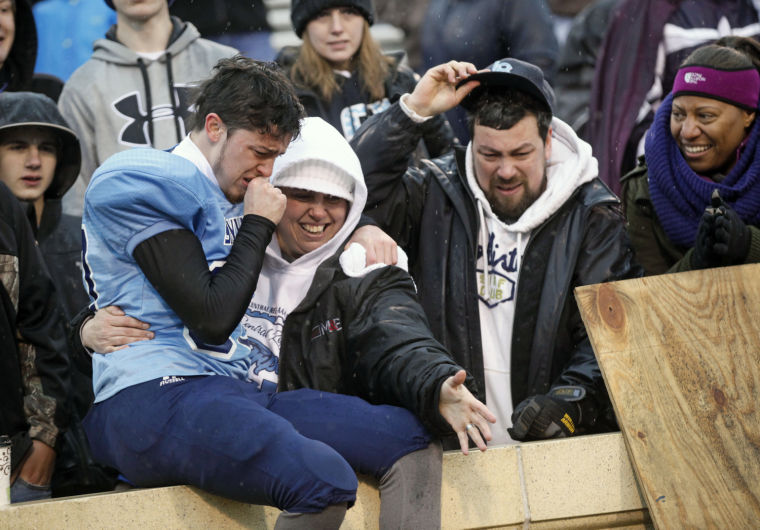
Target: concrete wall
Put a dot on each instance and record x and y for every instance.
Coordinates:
(584, 482)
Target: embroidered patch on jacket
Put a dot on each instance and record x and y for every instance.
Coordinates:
(330, 325)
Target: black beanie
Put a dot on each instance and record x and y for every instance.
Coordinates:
(303, 11)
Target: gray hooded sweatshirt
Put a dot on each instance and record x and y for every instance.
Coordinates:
(118, 99)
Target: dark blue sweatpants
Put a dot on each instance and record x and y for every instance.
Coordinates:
(294, 450)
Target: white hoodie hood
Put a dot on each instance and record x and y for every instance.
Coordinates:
(283, 285)
(500, 251)
(321, 143)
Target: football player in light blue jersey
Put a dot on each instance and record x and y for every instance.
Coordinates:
(177, 239)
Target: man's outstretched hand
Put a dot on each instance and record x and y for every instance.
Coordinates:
(466, 415)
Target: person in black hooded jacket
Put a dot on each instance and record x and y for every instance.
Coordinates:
(33, 364)
(18, 52)
(39, 161)
(58, 235)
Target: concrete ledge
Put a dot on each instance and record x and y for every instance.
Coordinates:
(584, 482)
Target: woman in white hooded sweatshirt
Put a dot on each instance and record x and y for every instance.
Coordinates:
(346, 328)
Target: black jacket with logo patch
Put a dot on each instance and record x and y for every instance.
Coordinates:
(368, 337)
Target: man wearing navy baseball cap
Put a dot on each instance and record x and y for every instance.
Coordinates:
(135, 89)
(499, 233)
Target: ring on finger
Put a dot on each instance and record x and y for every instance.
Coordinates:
(469, 426)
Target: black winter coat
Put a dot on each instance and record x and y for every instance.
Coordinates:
(431, 212)
(60, 240)
(367, 337)
(34, 369)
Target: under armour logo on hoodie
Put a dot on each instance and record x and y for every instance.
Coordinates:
(136, 131)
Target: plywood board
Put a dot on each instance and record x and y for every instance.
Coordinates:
(680, 355)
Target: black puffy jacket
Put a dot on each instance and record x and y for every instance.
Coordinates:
(367, 337)
(431, 212)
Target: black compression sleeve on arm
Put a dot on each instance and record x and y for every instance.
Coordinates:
(210, 303)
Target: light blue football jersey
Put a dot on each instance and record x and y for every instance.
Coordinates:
(133, 196)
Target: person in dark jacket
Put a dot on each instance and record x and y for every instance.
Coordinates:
(241, 24)
(18, 52)
(407, 16)
(341, 75)
(694, 202)
(34, 373)
(339, 326)
(482, 31)
(39, 161)
(521, 203)
(18, 46)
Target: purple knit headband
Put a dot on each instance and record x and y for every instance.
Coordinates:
(739, 87)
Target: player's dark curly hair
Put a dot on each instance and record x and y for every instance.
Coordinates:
(251, 95)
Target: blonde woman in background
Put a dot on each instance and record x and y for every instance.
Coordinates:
(340, 73)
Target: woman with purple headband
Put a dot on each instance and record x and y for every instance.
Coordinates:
(694, 200)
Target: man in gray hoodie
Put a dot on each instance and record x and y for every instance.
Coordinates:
(133, 92)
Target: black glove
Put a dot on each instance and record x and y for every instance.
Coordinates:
(547, 416)
(704, 256)
(732, 236)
